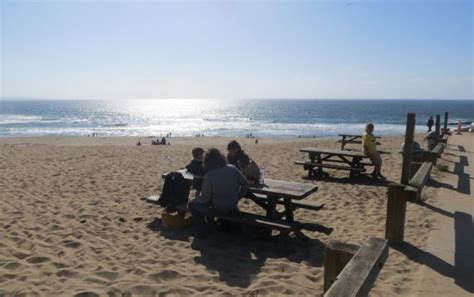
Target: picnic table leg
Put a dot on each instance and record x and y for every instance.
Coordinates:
(343, 142)
(356, 164)
(288, 210)
(271, 206)
(312, 157)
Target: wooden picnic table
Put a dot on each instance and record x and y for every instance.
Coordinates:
(267, 196)
(325, 158)
(352, 138)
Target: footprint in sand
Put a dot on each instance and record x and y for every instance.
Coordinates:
(12, 265)
(37, 259)
(109, 275)
(71, 244)
(164, 275)
(142, 290)
(86, 294)
(21, 255)
(67, 273)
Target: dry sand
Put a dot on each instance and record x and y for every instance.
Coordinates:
(73, 222)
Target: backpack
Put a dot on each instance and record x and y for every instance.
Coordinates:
(174, 192)
(251, 171)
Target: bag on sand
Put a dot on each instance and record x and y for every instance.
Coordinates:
(174, 192)
(173, 222)
(251, 171)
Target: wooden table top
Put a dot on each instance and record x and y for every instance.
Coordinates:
(274, 187)
(333, 152)
(355, 135)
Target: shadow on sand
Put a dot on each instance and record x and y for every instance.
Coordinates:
(463, 268)
(463, 185)
(239, 255)
(359, 180)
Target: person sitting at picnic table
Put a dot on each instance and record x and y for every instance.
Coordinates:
(236, 156)
(222, 188)
(196, 167)
(370, 149)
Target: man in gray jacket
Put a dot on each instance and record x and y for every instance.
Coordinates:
(222, 188)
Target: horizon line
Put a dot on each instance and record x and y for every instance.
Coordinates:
(232, 99)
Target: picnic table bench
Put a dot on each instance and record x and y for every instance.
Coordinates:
(325, 158)
(418, 181)
(267, 196)
(352, 139)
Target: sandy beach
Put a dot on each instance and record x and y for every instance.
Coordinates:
(73, 222)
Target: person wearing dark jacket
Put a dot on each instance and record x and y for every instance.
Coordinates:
(196, 168)
(236, 156)
(430, 123)
(222, 189)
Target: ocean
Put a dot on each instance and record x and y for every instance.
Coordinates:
(184, 118)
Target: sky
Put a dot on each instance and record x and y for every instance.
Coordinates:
(382, 49)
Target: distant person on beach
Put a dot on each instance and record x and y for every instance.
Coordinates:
(163, 141)
(370, 149)
(430, 123)
(139, 143)
(222, 188)
(196, 168)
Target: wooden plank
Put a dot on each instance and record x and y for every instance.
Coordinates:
(414, 168)
(353, 142)
(332, 166)
(421, 176)
(408, 148)
(396, 210)
(438, 149)
(335, 152)
(284, 189)
(296, 204)
(336, 256)
(355, 135)
(335, 161)
(357, 278)
(280, 188)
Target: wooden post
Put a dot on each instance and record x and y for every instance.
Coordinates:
(445, 126)
(408, 148)
(336, 256)
(438, 124)
(359, 275)
(396, 209)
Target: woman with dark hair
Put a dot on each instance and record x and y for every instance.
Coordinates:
(222, 188)
(236, 155)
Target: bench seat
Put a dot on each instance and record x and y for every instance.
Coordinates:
(353, 142)
(444, 138)
(439, 148)
(418, 181)
(296, 204)
(332, 166)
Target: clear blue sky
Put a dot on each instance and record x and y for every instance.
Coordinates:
(246, 49)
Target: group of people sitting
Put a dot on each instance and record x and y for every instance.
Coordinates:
(219, 182)
(159, 142)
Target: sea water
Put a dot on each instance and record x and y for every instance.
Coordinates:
(263, 118)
